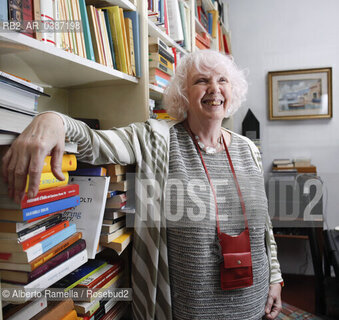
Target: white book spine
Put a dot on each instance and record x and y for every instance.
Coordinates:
(48, 19)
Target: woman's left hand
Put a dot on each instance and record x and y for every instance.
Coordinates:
(273, 304)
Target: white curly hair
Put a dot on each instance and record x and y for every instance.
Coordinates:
(175, 97)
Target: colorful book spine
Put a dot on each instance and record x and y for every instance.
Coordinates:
(50, 207)
(69, 163)
(99, 276)
(110, 37)
(48, 180)
(27, 16)
(63, 245)
(80, 274)
(58, 259)
(43, 196)
(50, 242)
(39, 227)
(134, 16)
(44, 235)
(97, 171)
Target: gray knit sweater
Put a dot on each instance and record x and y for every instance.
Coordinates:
(191, 230)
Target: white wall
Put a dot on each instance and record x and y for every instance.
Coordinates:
(272, 35)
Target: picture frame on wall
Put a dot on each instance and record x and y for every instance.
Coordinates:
(300, 94)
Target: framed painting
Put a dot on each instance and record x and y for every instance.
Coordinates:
(300, 94)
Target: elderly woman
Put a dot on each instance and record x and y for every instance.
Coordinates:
(203, 243)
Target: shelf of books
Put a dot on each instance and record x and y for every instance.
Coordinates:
(124, 4)
(55, 66)
(155, 32)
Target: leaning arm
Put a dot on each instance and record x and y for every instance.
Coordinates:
(101, 146)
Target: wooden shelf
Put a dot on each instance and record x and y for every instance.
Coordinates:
(53, 66)
(291, 236)
(125, 4)
(154, 31)
(200, 28)
(155, 92)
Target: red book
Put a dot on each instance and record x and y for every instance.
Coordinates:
(174, 50)
(107, 279)
(99, 277)
(157, 72)
(200, 45)
(205, 41)
(43, 235)
(28, 17)
(43, 196)
(227, 50)
(165, 16)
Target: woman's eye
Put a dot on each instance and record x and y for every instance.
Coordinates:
(201, 80)
(225, 80)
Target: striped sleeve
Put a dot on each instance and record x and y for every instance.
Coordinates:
(116, 145)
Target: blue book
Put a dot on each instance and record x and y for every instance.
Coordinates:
(96, 171)
(110, 39)
(86, 30)
(50, 207)
(3, 11)
(162, 81)
(210, 22)
(50, 242)
(134, 16)
(161, 12)
(80, 274)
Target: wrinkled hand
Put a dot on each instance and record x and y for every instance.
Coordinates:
(273, 304)
(45, 135)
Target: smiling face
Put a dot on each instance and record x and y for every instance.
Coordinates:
(209, 94)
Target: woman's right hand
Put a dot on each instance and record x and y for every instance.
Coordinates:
(44, 136)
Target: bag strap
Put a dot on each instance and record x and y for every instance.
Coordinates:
(211, 184)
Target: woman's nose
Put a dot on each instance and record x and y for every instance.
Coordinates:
(213, 87)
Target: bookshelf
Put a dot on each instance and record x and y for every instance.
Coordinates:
(83, 88)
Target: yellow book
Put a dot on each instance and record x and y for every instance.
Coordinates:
(124, 35)
(69, 163)
(156, 57)
(130, 42)
(47, 180)
(120, 243)
(118, 40)
(215, 17)
(72, 315)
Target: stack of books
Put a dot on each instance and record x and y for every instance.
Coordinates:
(96, 277)
(304, 165)
(38, 246)
(300, 165)
(161, 62)
(18, 105)
(114, 233)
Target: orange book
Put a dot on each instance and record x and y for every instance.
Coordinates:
(72, 315)
(43, 235)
